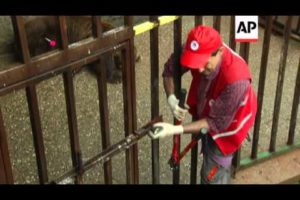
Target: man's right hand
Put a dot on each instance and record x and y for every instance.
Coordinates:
(178, 113)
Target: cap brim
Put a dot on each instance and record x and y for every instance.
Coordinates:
(193, 60)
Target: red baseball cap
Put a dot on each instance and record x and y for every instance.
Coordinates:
(202, 41)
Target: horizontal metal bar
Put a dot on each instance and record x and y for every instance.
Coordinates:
(113, 150)
(147, 26)
(57, 70)
(265, 155)
(52, 60)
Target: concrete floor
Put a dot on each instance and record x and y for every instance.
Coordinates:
(54, 118)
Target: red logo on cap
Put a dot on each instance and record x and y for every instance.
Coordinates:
(194, 45)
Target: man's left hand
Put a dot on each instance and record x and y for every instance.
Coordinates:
(162, 129)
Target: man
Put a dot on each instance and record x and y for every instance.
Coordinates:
(221, 99)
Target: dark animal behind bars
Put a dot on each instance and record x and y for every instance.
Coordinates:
(43, 29)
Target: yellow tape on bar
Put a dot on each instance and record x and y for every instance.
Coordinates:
(147, 26)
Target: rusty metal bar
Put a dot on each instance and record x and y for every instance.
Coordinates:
(63, 32)
(72, 124)
(244, 52)
(71, 108)
(177, 32)
(32, 101)
(97, 27)
(133, 102)
(261, 84)
(154, 55)
(113, 150)
(280, 79)
(295, 107)
(217, 23)
(104, 117)
(21, 38)
(232, 45)
(194, 151)
(17, 76)
(232, 42)
(37, 132)
(298, 25)
(236, 162)
(6, 175)
(103, 104)
(127, 99)
(128, 21)
(198, 20)
(278, 27)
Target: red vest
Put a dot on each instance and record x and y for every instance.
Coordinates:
(233, 68)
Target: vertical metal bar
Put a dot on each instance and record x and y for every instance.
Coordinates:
(63, 31)
(127, 99)
(198, 20)
(294, 109)
(298, 26)
(6, 175)
(37, 133)
(232, 42)
(244, 52)
(133, 102)
(128, 21)
(280, 79)
(194, 150)
(103, 103)
(71, 108)
(217, 23)
(97, 27)
(21, 38)
(236, 162)
(154, 56)
(72, 124)
(261, 83)
(104, 116)
(32, 103)
(177, 78)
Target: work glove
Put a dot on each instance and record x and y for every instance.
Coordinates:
(162, 129)
(178, 113)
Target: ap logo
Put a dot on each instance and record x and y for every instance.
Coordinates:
(246, 28)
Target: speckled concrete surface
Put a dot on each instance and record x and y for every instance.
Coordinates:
(54, 119)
